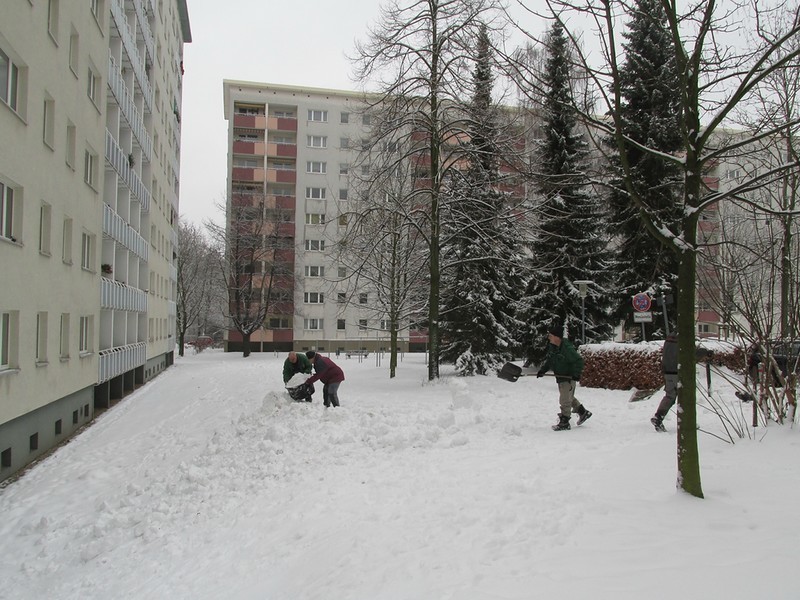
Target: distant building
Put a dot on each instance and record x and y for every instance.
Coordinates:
(90, 100)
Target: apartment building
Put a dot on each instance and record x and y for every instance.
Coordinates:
(90, 97)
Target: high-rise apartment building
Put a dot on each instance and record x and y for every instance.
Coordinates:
(90, 99)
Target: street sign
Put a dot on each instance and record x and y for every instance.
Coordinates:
(641, 302)
(643, 317)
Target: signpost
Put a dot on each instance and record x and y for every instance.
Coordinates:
(642, 314)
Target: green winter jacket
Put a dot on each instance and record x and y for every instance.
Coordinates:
(564, 360)
(303, 365)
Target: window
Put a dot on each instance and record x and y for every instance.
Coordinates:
(344, 143)
(343, 194)
(385, 324)
(315, 245)
(315, 219)
(74, 49)
(318, 115)
(315, 271)
(362, 324)
(63, 341)
(366, 120)
(279, 323)
(41, 337)
(48, 122)
(33, 442)
(365, 145)
(341, 298)
(52, 19)
(86, 251)
(314, 193)
(7, 212)
(92, 85)
(314, 298)
(342, 220)
(85, 339)
(345, 118)
(365, 170)
(44, 229)
(313, 324)
(66, 241)
(58, 427)
(362, 298)
(90, 168)
(9, 81)
(315, 166)
(317, 141)
(344, 169)
(5, 340)
(95, 6)
(340, 325)
(71, 145)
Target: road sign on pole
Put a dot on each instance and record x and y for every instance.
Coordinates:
(641, 302)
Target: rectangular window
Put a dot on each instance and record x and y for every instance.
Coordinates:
(314, 298)
(52, 18)
(6, 211)
(9, 81)
(44, 229)
(362, 324)
(279, 323)
(314, 193)
(86, 251)
(340, 325)
(345, 118)
(341, 297)
(41, 337)
(344, 169)
(85, 338)
(344, 143)
(366, 120)
(316, 166)
(365, 170)
(95, 8)
(315, 219)
(90, 168)
(71, 145)
(318, 115)
(33, 442)
(63, 341)
(315, 245)
(342, 271)
(58, 427)
(74, 51)
(314, 271)
(66, 241)
(92, 85)
(317, 141)
(342, 220)
(48, 123)
(362, 298)
(313, 324)
(5, 340)
(343, 194)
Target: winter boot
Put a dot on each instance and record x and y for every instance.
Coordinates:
(583, 414)
(563, 423)
(658, 423)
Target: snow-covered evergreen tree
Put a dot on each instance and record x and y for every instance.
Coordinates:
(568, 245)
(651, 117)
(480, 248)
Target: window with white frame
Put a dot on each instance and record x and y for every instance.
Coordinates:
(5, 340)
(318, 115)
(45, 212)
(90, 168)
(96, 6)
(315, 219)
(342, 272)
(315, 193)
(85, 336)
(315, 245)
(48, 122)
(341, 298)
(63, 340)
(7, 215)
(345, 117)
(314, 298)
(279, 323)
(314, 271)
(74, 51)
(9, 81)
(92, 85)
(66, 241)
(41, 337)
(362, 324)
(317, 141)
(71, 145)
(385, 324)
(86, 251)
(343, 194)
(52, 18)
(342, 220)
(366, 120)
(344, 143)
(362, 298)
(344, 169)
(316, 166)
(313, 324)
(340, 324)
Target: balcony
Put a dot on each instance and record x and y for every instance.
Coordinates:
(116, 361)
(281, 176)
(250, 121)
(275, 150)
(247, 174)
(119, 161)
(252, 148)
(118, 296)
(281, 124)
(117, 229)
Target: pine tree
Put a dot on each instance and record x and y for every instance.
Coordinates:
(651, 116)
(568, 245)
(480, 247)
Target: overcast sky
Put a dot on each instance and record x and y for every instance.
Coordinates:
(295, 42)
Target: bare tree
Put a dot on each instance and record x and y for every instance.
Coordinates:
(715, 79)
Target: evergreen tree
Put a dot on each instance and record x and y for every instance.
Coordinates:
(651, 117)
(480, 249)
(568, 245)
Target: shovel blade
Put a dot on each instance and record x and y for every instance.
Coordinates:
(510, 372)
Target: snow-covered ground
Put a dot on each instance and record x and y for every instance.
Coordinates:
(207, 483)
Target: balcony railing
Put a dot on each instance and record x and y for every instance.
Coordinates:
(129, 44)
(118, 296)
(117, 229)
(129, 110)
(116, 361)
(119, 161)
(143, 27)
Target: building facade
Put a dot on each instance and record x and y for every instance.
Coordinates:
(90, 97)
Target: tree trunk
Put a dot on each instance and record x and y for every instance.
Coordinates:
(245, 345)
(181, 337)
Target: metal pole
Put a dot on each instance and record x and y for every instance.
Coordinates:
(583, 319)
(666, 321)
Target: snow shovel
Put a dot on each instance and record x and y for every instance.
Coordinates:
(511, 372)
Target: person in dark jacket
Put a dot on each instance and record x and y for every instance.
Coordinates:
(330, 374)
(567, 366)
(669, 365)
(298, 363)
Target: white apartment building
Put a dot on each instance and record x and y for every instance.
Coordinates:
(293, 150)
(90, 97)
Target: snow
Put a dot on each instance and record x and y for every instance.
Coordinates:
(208, 483)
